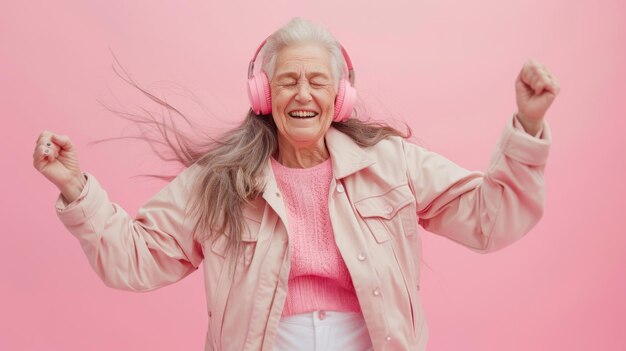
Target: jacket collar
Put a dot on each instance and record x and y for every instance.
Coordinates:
(347, 156)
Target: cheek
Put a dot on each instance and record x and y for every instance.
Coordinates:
(327, 98)
(278, 96)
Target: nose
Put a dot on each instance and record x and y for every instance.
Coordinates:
(304, 93)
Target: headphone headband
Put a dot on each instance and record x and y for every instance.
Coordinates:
(343, 52)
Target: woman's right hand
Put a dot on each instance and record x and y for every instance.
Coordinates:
(55, 157)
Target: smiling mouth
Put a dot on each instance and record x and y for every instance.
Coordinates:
(302, 114)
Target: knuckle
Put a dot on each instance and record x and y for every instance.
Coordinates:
(534, 79)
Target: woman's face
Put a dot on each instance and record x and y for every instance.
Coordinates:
(303, 94)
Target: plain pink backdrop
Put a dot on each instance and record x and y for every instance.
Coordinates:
(446, 67)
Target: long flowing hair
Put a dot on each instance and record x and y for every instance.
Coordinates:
(231, 165)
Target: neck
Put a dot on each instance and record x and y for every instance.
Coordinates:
(292, 156)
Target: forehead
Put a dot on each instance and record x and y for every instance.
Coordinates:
(307, 56)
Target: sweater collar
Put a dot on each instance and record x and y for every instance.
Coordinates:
(347, 158)
(346, 155)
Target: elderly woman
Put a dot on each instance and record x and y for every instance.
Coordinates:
(307, 218)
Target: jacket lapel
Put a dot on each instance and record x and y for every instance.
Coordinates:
(347, 156)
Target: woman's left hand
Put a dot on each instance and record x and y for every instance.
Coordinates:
(535, 88)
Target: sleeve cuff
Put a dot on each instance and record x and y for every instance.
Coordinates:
(516, 143)
(518, 125)
(79, 210)
(62, 204)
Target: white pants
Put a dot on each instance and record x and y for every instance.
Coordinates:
(323, 330)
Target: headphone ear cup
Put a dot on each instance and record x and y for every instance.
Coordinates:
(344, 101)
(259, 94)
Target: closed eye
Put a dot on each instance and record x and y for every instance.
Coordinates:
(286, 83)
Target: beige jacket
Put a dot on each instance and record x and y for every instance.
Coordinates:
(378, 197)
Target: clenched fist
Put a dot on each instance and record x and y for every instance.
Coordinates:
(55, 157)
(535, 90)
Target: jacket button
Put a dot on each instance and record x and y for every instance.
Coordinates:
(277, 194)
(210, 314)
(360, 256)
(388, 209)
(388, 338)
(376, 292)
(340, 188)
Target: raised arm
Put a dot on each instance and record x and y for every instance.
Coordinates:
(488, 211)
(144, 253)
(484, 211)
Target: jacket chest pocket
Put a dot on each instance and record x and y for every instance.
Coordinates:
(249, 238)
(390, 213)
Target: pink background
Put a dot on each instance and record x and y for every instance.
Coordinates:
(446, 67)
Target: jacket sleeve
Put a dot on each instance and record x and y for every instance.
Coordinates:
(152, 250)
(484, 211)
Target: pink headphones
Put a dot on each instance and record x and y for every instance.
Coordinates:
(261, 100)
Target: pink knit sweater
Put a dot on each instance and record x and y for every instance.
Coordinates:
(319, 278)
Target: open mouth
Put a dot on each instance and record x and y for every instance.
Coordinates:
(302, 114)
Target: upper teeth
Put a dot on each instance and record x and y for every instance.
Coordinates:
(302, 113)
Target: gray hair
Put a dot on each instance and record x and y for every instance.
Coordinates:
(298, 31)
